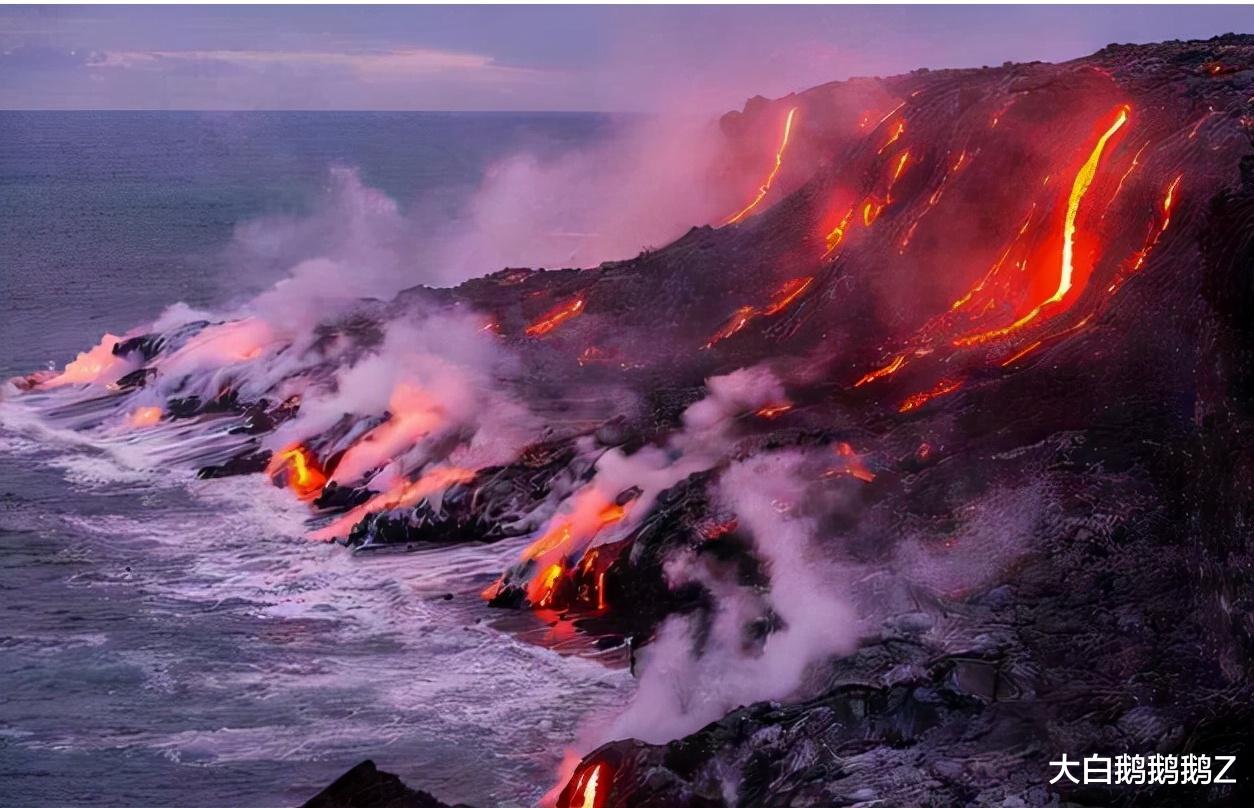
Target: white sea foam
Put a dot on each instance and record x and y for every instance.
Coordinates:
(371, 632)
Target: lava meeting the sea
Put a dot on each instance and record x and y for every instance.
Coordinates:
(965, 357)
(300, 468)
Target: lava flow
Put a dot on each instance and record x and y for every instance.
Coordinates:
(302, 473)
(734, 325)
(787, 293)
(1157, 233)
(836, 234)
(98, 365)
(1066, 269)
(942, 388)
(555, 317)
(547, 561)
(586, 521)
(404, 494)
(770, 178)
(144, 417)
(588, 788)
(851, 465)
(782, 298)
(772, 411)
(879, 373)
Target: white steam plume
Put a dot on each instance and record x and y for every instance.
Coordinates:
(682, 688)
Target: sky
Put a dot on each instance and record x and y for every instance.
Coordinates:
(610, 58)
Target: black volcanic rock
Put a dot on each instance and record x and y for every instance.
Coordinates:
(247, 463)
(1123, 626)
(364, 786)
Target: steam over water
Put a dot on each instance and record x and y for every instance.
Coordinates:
(169, 641)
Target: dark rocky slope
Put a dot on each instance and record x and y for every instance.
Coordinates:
(1125, 625)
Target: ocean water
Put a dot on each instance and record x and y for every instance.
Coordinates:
(174, 642)
(108, 217)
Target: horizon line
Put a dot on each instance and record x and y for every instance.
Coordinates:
(338, 110)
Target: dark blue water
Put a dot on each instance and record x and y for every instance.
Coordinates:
(107, 217)
(173, 642)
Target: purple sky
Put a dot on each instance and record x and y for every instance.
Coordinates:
(517, 57)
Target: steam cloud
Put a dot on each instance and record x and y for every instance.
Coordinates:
(686, 683)
(643, 186)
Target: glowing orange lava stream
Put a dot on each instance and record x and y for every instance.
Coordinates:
(852, 465)
(770, 178)
(992, 272)
(942, 388)
(144, 416)
(305, 478)
(1136, 162)
(889, 369)
(782, 298)
(1168, 200)
(1079, 187)
(898, 131)
(837, 233)
(773, 411)
(555, 317)
(786, 294)
(736, 323)
(585, 791)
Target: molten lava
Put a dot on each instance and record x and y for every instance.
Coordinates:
(914, 402)
(889, 114)
(997, 265)
(1138, 258)
(403, 495)
(889, 369)
(1017, 355)
(1197, 127)
(555, 317)
(99, 364)
(773, 411)
(713, 530)
(871, 211)
(565, 536)
(1136, 162)
(414, 412)
(588, 788)
(898, 131)
(783, 297)
(852, 465)
(143, 417)
(901, 167)
(1079, 187)
(837, 234)
(1168, 199)
(542, 589)
(770, 178)
(940, 189)
(304, 475)
(736, 323)
(587, 520)
(786, 294)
